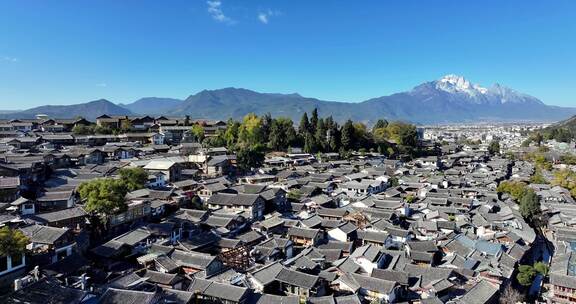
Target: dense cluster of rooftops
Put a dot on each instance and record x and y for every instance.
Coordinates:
(302, 228)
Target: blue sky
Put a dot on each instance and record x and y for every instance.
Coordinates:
(71, 51)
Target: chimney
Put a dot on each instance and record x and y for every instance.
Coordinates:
(17, 284)
(83, 281)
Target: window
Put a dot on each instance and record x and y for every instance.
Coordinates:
(3, 263)
(16, 260)
(62, 254)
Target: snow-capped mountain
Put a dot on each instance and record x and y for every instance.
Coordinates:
(457, 89)
(457, 84)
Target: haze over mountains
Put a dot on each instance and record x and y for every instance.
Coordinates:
(450, 99)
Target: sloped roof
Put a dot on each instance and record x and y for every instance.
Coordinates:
(192, 259)
(43, 234)
(114, 296)
(303, 232)
(480, 293)
(46, 291)
(296, 278)
(231, 199)
(59, 215)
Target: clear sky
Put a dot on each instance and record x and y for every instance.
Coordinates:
(71, 51)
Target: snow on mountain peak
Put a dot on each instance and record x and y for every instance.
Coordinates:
(458, 89)
(453, 83)
(455, 80)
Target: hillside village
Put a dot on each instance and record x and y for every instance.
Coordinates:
(306, 225)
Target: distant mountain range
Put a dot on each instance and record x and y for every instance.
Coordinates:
(451, 99)
(152, 105)
(89, 110)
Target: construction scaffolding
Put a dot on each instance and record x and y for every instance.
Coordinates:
(237, 258)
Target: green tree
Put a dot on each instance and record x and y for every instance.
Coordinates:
(344, 154)
(294, 195)
(332, 134)
(103, 130)
(410, 199)
(266, 125)
(282, 134)
(104, 196)
(310, 144)
(347, 135)
(362, 138)
(562, 135)
(529, 205)
(197, 203)
(197, 132)
(216, 141)
(566, 179)
(393, 182)
(250, 157)
(402, 133)
(568, 159)
(541, 268)
(526, 274)
(304, 126)
(250, 131)
(538, 178)
(380, 135)
(12, 242)
(314, 121)
(516, 189)
(231, 134)
(526, 143)
(82, 130)
(380, 124)
(494, 147)
(134, 178)
(320, 135)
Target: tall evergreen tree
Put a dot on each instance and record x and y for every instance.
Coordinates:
(347, 135)
(266, 125)
(314, 121)
(282, 134)
(332, 134)
(320, 135)
(333, 139)
(310, 145)
(304, 126)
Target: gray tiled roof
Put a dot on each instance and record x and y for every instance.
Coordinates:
(113, 296)
(230, 199)
(192, 259)
(44, 234)
(296, 278)
(60, 215)
(480, 293)
(303, 232)
(219, 290)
